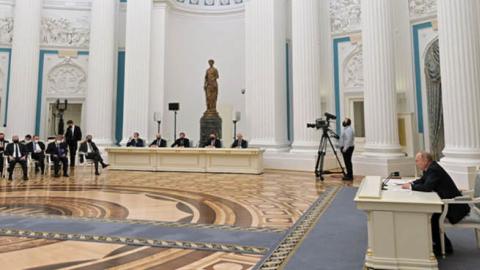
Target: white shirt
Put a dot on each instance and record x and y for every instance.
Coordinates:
(36, 148)
(347, 137)
(16, 150)
(73, 130)
(89, 148)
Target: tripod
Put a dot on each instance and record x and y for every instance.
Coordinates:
(322, 150)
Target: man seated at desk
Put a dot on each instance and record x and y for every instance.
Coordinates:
(240, 142)
(135, 141)
(182, 141)
(212, 142)
(158, 142)
(436, 179)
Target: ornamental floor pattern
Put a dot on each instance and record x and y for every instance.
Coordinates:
(268, 203)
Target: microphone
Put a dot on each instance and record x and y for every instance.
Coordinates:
(385, 181)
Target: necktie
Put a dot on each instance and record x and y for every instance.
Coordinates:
(17, 153)
(89, 149)
(34, 147)
(159, 142)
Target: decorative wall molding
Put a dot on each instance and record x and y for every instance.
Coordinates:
(345, 16)
(206, 6)
(422, 8)
(6, 30)
(67, 79)
(353, 69)
(65, 32)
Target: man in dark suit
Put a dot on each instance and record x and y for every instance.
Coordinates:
(37, 150)
(91, 152)
(17, 153)
(240, 142)
(3, 145)
(213, 142)
(72, 136)
(182, 141)
(159, 142)
(436, 179)
(135, 141)
(58, 153)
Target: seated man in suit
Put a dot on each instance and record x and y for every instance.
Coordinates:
(158, 142)
(91, 152)
(240, 142)
(17, 153)
(182, 141)
(3, 145)
(135, 141)
(436, 179)
(27, 139)
(58, 150)
(37, 150)
(213, 142)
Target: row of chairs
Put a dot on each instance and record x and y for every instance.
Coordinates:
(31, 163)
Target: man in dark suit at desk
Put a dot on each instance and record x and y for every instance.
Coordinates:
(135, 141)
(158, 142)
(213, 142)
(182, 141)
(17, 153)
(240, 142)
(436, 179)
(3, 145)
(37, 150)
(72, 136)
(58, 153)
(90, 149)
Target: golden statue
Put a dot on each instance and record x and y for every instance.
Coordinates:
(211, 88)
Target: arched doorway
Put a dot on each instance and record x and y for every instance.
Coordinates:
(434, 100)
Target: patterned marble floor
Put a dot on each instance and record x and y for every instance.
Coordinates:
(268, 203)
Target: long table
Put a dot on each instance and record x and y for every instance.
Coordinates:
(245, 161)
(399, 233)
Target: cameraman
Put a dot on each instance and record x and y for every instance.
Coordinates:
(347, 145)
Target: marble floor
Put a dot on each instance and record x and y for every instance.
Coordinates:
(200, 208)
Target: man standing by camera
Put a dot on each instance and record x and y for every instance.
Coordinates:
(347, 145)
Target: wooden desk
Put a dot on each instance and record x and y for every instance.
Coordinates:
(248, 161)
(399, 231)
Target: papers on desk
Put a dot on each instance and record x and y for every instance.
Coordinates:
(396, 182)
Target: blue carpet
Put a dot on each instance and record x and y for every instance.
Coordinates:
(257, 239)
(339, 240)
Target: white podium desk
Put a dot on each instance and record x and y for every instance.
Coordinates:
(399, 232)
(247, 161)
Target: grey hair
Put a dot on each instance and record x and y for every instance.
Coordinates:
(426, 155)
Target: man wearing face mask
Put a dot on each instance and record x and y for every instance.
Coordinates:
(58, 153)
(91, 152)
(347, 145)
(17, 153)
(37, 150)
(213, 142)
(3, 145)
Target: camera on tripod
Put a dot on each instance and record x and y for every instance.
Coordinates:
(321, 123)
(324, 124)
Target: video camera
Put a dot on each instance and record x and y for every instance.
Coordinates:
(321, 123)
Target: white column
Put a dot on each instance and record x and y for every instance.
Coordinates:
(157, 72)
(101, 68)
(306, 73)
(404, 72)
(266, 73)
(460, 62)
(137, 68)
(24, 67)
(382, 149)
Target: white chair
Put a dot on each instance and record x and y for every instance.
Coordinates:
(82, 156)
(472, 198)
